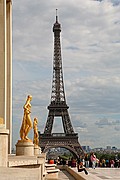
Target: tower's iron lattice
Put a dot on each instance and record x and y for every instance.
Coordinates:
(58, 106)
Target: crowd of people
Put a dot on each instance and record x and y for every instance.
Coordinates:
(93, 161)
(90, 161)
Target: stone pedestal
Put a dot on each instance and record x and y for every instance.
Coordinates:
(3, 146)
(37, 150)
(24, 148)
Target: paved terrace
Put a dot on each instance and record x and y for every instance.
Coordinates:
(33, 173)
(96, 174)
(105, 173)
(64, 175)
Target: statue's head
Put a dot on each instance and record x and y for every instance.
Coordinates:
(30, 97)
(35, 119)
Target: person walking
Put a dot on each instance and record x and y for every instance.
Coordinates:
(93, 160)
(112, 162)
(86, 161)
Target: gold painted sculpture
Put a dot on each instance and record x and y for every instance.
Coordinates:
(1, 120)
(26, 123)
(35, 123)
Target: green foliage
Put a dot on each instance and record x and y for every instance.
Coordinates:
(118, 155)
(66, 156)
(63, 157)
(108, 156)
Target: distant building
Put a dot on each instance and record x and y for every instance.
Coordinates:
(86, 148)
(114, 148)
(108, 148)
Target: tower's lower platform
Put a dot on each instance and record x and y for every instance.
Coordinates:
(68, 141)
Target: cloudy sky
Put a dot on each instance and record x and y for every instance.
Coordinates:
(90, 41)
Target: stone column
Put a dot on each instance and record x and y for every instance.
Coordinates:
(9, 72)
(3, 59)
(6, 66)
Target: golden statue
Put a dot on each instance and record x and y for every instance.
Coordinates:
(26, 123)
(35, 123)
(1, 120)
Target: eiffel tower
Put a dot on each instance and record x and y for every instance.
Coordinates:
(58, 107)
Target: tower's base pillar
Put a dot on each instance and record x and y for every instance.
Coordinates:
(24, 148)
(3, 146)
(37, 150)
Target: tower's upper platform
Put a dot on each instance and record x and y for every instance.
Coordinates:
(56, 26)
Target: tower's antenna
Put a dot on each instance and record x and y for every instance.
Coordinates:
(56, 15)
